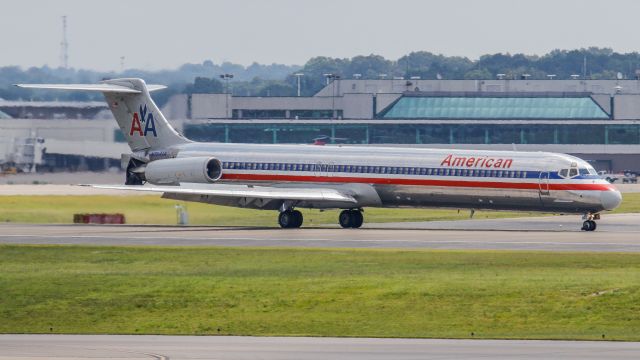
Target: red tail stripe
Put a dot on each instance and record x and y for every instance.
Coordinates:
(420, 182)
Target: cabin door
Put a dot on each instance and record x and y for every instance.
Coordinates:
(543, 184)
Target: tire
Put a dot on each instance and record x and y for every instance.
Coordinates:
(345, 218)
(586, 226)
(290, 219)
(285, 219)
(356, 219)
(593, 225)
(298, 219)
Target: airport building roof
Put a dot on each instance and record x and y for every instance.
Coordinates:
(473, 107)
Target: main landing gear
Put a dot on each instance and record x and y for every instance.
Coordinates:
(351, 218)
(589, 224)
(290, 219)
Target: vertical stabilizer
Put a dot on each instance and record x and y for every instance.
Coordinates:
(139, 118)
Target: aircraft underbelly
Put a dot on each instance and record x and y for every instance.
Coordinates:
(424, 196)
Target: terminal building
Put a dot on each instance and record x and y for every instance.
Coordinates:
(598, 120)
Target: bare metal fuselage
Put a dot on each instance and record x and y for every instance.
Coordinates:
(406, 177)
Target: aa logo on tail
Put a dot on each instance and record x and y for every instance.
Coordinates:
(143, 118)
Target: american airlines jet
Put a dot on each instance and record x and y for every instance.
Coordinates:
(286, 177)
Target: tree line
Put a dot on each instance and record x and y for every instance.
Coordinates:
(279, 80)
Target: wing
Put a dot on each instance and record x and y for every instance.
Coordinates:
(240, 191)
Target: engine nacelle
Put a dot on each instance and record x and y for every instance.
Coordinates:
(199, 169)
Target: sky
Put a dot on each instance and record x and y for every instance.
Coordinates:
(162, 34)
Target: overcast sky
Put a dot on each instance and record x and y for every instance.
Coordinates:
(165, 34)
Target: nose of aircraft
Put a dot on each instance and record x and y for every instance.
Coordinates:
(610, 199)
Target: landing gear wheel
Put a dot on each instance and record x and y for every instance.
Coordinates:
(351, 218)
(589, 225)
(345, 218)
(298, 218)
(356, 219)
(290, 219)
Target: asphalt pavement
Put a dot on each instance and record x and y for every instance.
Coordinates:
(96, 347)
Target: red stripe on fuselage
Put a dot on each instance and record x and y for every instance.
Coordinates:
(419, 182)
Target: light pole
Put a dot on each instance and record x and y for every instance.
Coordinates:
(332, 77)
(298, 76)
(226, 78)
(328, 76)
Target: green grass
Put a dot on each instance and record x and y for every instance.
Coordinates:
(154, 210)
(326, 292)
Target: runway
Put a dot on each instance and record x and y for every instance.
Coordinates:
(616, 233)
(22, 347)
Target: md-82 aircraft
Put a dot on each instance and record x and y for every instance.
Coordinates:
(286, 177)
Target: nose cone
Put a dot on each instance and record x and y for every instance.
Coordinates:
(610, 199)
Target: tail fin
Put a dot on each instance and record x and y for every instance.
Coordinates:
(139, 118)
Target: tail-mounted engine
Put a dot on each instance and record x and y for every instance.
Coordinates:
(177, 170)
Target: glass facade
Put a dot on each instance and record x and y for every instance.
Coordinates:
(372, 133)
(284, 114)
(561, 108)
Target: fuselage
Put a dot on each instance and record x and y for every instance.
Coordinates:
(410, 177)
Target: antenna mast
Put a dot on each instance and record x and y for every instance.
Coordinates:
(64, 45)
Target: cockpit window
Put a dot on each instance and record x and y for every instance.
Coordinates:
(563, 172)
(573, 172)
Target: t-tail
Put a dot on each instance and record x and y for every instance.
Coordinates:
(141, 121)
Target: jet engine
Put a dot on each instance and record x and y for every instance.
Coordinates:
(192, 169)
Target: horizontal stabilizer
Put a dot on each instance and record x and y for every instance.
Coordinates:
(106, 88)
(259, 192)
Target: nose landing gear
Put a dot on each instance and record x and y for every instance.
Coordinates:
(589, 224)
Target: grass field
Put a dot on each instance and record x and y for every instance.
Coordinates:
(154, 210)
(378, 293)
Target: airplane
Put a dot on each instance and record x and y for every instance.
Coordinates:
(351, 178)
